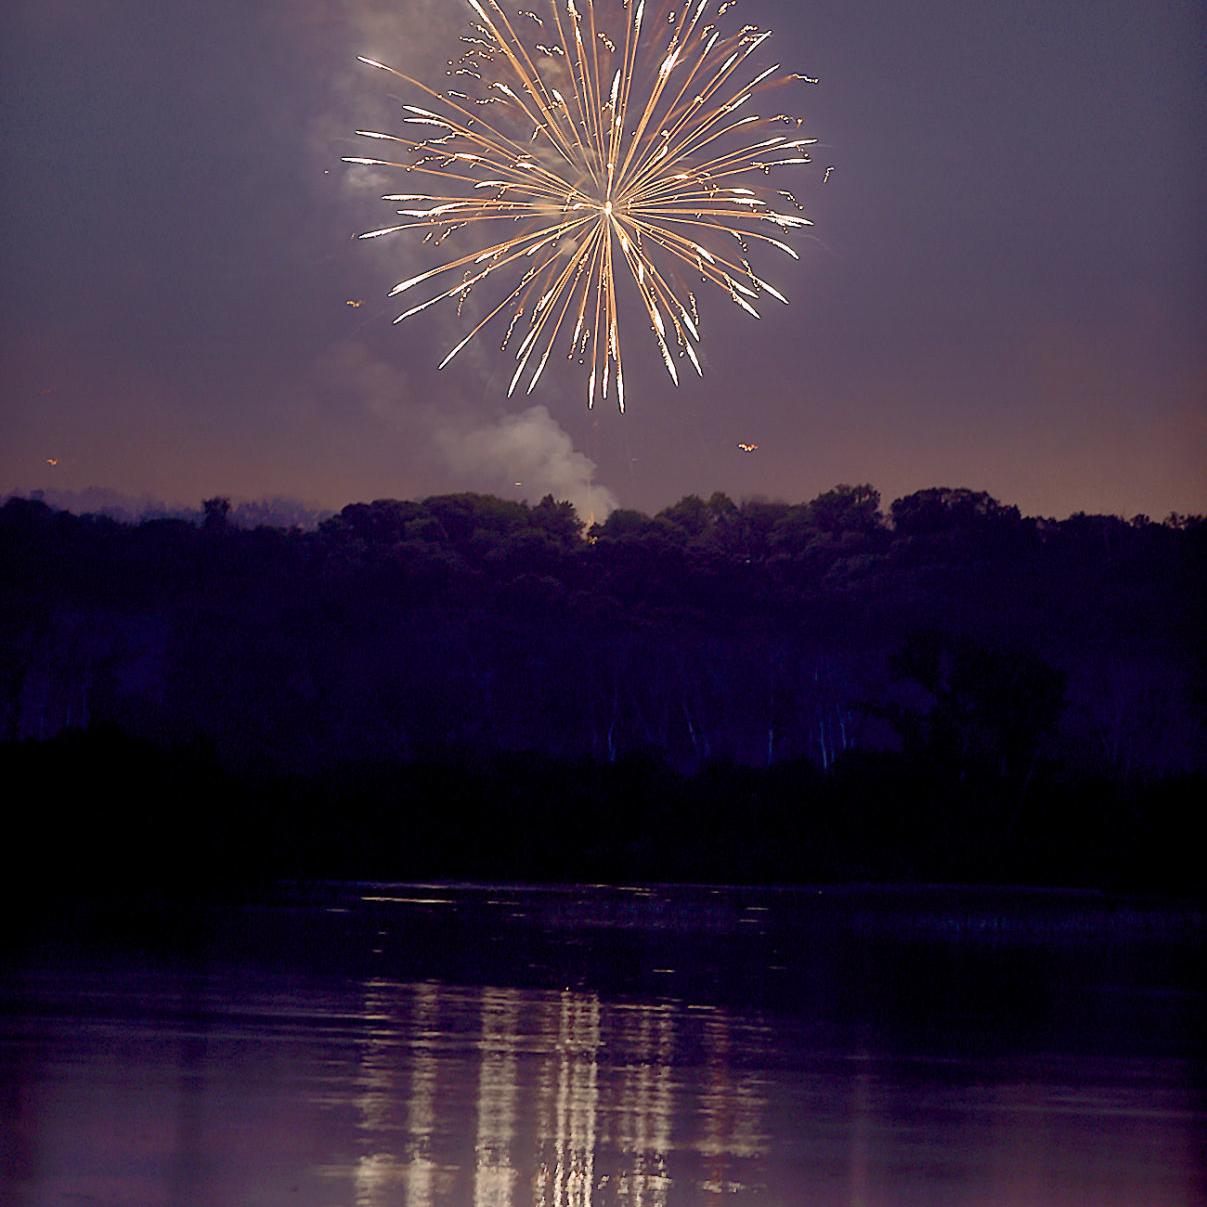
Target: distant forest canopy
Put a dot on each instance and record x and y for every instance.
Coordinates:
(276, 512)
(952, 630)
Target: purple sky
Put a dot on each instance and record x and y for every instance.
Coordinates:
(1005, 288)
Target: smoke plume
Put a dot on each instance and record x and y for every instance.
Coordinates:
(529, 453)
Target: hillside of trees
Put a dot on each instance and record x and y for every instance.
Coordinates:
(947, 689)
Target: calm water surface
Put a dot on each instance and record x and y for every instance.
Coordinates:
(434, 1045)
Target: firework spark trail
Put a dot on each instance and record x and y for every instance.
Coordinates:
(608, 155)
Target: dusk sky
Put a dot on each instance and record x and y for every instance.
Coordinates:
(1005, 287)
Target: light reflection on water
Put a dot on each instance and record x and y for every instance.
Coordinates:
(869, 1079)
(549, 1128)
(494, 1174)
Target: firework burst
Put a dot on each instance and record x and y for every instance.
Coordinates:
(571, 160)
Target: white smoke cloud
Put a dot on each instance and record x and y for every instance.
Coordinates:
(445, 444)
(413, 36)
(531, 449)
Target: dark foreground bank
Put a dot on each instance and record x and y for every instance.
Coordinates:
(106, 816)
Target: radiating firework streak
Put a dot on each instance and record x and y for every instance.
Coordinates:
(601, 156)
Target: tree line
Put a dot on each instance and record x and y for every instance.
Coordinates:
(977, 667)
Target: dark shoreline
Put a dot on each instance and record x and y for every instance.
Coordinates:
(818, 951)
(121, 819)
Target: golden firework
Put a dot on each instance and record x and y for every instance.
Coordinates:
(603, 159)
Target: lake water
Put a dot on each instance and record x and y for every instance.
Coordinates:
(386, 1045)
